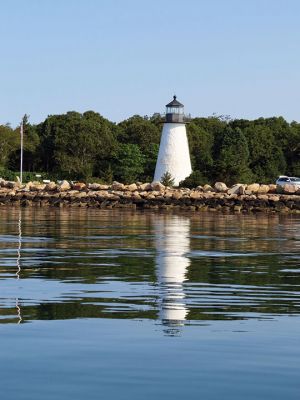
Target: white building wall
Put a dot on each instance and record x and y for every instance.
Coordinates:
(174, 154)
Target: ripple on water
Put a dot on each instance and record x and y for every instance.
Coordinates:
(174, 269)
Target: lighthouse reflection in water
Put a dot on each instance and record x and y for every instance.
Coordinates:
(172, 237)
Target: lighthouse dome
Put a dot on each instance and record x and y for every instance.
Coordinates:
(174, 111)
(175, 103)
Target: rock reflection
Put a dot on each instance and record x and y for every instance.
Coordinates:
(172, 240)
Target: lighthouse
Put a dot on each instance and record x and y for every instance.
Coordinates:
(173, 156)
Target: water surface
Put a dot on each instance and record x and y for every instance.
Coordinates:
(135, 305)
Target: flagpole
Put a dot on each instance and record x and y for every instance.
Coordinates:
(21, 155)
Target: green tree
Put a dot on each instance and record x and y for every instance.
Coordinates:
(129, 163)
(201, 144)
(9, 143)
(139, 131)
(167, 179)
(150, 156)
(232, 164)
(78, 145)
(292, 152)
(144, 133)
(266, 158)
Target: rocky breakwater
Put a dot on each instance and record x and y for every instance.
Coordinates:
(239, 198)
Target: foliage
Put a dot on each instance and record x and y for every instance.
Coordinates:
(266, 159)
(108, 175)
(77, 145)
(139, 131)
(195, 179)
(8, 144)
(167, 179)
(81, 146)
(129, 163)
(201, 145)
(10, 175)
(146, 135)
(292, 151)
(150, 155)
(233, 157)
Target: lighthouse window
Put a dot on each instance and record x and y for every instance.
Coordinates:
(174, 110)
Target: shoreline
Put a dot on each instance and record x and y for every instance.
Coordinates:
(149, 196)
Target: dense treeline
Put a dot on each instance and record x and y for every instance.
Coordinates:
(85, 146)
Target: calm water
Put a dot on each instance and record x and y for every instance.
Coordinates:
(118, 305)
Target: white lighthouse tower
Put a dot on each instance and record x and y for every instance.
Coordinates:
(173, 155)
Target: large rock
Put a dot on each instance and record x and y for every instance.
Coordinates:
(28, 186)
(64, 185)
(150, 196)
(94, 186)
(274, 197)
(264, 197)
(177, 195)
(10, 184)
(145, 187)
(263, 189)
(168, 194)
(79, 186)
(289, 189)
(104, 187)
(207, 188)
(132, 188)
(103, 194)
(117, 186)
(51, 186)
(272, 188)
(195, 195)
(36, 187)
(237, 189)
(220, 187)
(253, 188)
(157, 186)
(72, 192)
(135, 196)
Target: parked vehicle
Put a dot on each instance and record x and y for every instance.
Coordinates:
(288, 180)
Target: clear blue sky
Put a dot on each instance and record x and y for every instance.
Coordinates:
(125, 57)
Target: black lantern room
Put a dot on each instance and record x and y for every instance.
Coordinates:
(175, 112)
